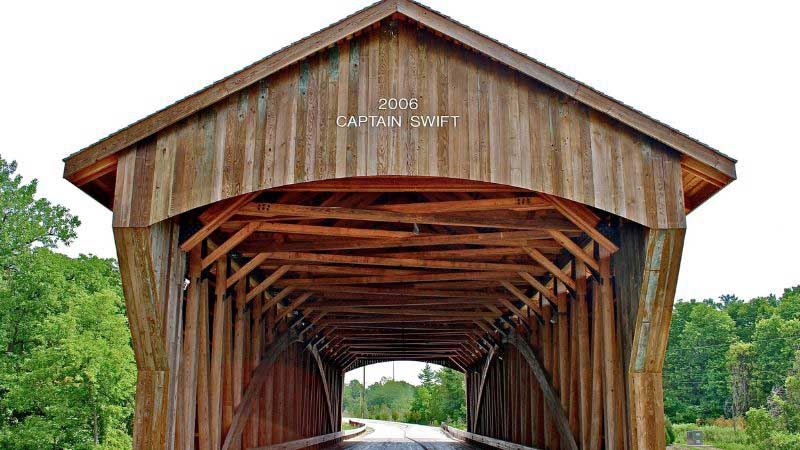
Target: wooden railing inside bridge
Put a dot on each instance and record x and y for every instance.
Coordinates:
(326, 439)
(466, 436)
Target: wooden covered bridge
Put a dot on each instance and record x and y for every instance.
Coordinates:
(398, 186)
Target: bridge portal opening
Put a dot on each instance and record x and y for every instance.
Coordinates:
(510, 292)
(407, 392)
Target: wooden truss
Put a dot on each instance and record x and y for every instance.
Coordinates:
(431, 276)
(442, 277)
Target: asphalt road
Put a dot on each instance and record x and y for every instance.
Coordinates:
(402, 436)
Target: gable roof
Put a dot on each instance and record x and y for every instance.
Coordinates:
(699, 159)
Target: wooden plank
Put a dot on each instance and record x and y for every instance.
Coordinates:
(295, 304)
(541, 288)
(316, 440)
(268, 281)
(203, 414)
(524, 298)
(611, 366)
(508, 238)
(552, 268)
(187, 407)
(575, 249)
(217, 349)
(568, 209)
(244, 271)
(467, 436)
(408, 311)
(596, 430)
(238, 359)
(715, 161)
(277, 298)
(230, 244)
(550, 394)
(516, 203)
(214, 222)
(377, 294)
(255, 357)
(318, 212)
(325, 388)
(481, 386)
(397, 279)
(332, 231)
(248, 400)
(584, 355)
(397, 262)
(150, 270)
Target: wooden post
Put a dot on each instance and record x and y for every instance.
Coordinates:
(227, 385)
(187, 407)
(662, 262)
(203, 417)
(152, 271)
(551, 397)
(547, 350)
(562, 325)
(584, 354)
(611, 365)
(596, 427)
(237, 377)
(326, 390)
(481, 385)
(217, 349)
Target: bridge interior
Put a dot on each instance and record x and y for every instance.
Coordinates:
(298, 285)
(415, 272)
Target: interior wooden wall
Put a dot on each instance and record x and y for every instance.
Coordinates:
(196, 350)
(513, 130)
(625, 344)
(513, 407)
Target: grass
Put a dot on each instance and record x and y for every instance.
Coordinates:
(347, 426)
(724, 438)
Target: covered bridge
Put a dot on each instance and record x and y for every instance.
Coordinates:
(398, 186)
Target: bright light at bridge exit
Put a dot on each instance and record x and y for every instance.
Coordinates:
(407, 371)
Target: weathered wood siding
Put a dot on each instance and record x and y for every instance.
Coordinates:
(184, 379)
(512, 130)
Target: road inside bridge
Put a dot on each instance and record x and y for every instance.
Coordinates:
(402, 436)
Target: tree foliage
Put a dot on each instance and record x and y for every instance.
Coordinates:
(67, 375)
(729, 356)
(27, 222)
(440, 397)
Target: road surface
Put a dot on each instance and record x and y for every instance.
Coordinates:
(402, 436)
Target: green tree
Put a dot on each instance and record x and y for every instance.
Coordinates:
(439, 398)
(75, 387)
(67, 374)
(739, 362)
(695, 373)
(453, 393)
(774, 343)
(351, 398)
(389, 398)
(789, 306)
(27, 222)
(747, 314)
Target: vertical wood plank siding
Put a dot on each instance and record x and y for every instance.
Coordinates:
(512, 130)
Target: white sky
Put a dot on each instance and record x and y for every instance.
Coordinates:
(723, 72)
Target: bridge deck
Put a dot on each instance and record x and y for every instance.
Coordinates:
(402, 436)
